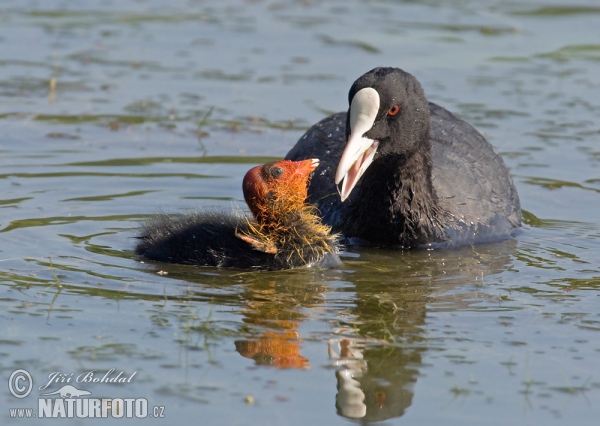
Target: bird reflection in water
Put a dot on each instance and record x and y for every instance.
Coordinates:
(379, 341)
(275, 313)
(277, 348)
(374, 381)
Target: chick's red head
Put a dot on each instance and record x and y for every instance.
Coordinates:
(278, 187)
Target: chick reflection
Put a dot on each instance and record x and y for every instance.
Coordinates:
(277, 348)
(269, 305)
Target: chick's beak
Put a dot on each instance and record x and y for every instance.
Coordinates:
(306, 167)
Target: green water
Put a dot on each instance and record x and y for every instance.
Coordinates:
(114, 110)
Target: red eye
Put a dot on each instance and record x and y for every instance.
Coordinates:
(394, 110)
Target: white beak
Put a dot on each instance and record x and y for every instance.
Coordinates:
(359, 151)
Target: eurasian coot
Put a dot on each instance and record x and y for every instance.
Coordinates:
(428, 177)
(286, 231)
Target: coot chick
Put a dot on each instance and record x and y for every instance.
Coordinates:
(428, 177)
(285, 233)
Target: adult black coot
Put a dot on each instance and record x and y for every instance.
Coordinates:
(428, 177)
(285, 233)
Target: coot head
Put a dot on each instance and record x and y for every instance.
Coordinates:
(388, 115)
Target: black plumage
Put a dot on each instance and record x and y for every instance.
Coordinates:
(284, 233)
(434, 179)
(211, 238)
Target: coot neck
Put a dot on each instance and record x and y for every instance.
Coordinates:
(396, 203)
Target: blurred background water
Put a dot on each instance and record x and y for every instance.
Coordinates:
(114, 110)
